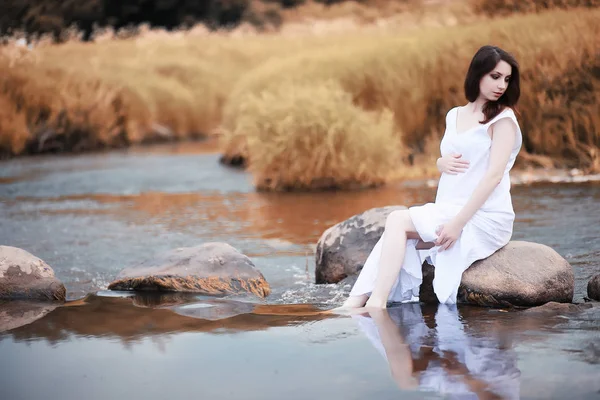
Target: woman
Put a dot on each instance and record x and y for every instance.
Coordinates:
(472, 216)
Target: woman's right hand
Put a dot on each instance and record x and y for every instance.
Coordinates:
(452, 164)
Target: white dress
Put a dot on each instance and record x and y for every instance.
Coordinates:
(487, 231)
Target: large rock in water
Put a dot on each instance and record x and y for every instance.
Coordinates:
(211, 268)
(520, 274)
(343, 249)
(24, 276)
(593, 288)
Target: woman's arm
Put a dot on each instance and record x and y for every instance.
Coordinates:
(503, 140)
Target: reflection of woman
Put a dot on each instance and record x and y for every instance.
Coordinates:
(443, 359)
(472, 216)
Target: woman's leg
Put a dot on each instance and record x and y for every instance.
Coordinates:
(397, 220)
(398, 229)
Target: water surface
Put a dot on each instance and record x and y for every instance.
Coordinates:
(89, 216)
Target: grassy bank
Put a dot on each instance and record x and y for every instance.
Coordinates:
(80, 96)
(306, 109)
(157, 86)
(419, 77)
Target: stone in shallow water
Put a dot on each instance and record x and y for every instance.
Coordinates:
(593, 288)
(25, 276)
(211, 268)
(558, 308)
(343, 249)
(520, 274)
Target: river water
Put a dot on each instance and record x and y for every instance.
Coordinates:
(91, 215)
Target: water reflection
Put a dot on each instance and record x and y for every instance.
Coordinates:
(436, 352)
(131, 318)
(298, 218)
(16, 313)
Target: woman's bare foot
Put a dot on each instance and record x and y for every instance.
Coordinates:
(352, 303)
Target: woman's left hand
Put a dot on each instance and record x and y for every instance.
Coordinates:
(448, 234)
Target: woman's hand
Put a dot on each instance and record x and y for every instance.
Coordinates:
(448, 234)
(452, 164)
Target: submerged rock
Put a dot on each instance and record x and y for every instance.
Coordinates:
(593, 288)
(521, 274)
(558, 308)
(25, 276)
(343, 249)
(211, 268)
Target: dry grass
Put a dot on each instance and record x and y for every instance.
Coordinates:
(333, 89)
(80, 96)
(499, 8)
(419, 77)
(13, 126)
(315, 137)
(84, 96)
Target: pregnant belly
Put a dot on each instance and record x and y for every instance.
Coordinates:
(457, 189)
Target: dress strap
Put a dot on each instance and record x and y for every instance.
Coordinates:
(507, 112)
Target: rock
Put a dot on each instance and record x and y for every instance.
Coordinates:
(235, 151)
(426, 294)
(593, 288)
(558, 308)
(520, 274)
(348, 281)
(343, 249)
(211, 268)
(234, 160)
(24, 276)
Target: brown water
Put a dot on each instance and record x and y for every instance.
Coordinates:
(89, 216)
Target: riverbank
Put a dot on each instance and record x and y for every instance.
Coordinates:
(270, 95)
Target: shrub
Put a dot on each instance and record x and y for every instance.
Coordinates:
(314, 137)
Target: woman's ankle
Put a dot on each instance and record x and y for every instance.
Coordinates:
(355, 301)
(376, 303)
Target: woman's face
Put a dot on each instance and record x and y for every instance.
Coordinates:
(493, 84)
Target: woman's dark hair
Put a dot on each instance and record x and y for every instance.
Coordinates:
(483, 62)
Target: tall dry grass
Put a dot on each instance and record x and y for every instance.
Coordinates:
(315, 137)
(419, 77)
(79, 96)
(499, 8)
(332, 90)
(156, 86)
(84, 96)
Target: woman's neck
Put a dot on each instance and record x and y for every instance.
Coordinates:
(477, 105)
